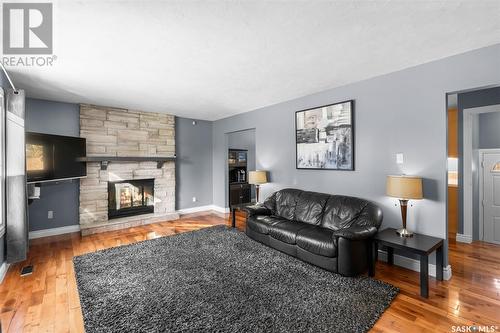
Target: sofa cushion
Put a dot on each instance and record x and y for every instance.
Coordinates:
(286, 231)
(286, 200)
(261, 223)
(317, 240)
(310, 206)
(341, 211)
(270, 203)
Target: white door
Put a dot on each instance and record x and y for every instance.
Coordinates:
(491, 197)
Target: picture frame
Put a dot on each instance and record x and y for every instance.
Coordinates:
(324, 137)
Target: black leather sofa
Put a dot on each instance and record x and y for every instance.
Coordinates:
(329, 231)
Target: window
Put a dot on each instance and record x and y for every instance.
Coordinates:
(452, 171)
(496, 167)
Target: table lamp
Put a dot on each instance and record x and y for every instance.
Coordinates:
(257, 178)
(404, 188)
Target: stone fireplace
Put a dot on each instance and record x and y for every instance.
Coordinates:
(131, 192)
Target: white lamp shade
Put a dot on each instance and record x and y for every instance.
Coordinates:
(257, 177)
(404, 187)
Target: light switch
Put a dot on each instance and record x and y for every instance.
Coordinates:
(50, 214)
(399, 158)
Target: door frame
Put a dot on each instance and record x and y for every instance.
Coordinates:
(483, 152)
(226, 167)
(467, 181)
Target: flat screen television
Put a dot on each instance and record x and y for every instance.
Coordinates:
(54, 157)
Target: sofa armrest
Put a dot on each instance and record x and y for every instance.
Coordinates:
(356, 232)
(256, 210)
(365, 225)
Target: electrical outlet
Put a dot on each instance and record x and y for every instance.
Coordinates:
(50, 214)
(400, 158)
(194, 199)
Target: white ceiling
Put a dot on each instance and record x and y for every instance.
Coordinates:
(213, 59)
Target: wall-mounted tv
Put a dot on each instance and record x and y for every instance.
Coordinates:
(54, 157)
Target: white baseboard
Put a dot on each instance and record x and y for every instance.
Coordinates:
(202, 209)
(4, 267)
(221, 209)
(195, 209)
(414, 264)
(53, 231)
(464, 238)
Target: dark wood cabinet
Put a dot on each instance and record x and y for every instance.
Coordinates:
(239, 189)
(239, 193)
(237, 158)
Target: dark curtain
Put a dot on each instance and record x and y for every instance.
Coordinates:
(2, 172)
(16, 236)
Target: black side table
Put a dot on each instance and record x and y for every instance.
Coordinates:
(234, 208)
(420, 245)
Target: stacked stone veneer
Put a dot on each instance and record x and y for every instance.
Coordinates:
(121, 132)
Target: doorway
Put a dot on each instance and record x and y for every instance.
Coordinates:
(240, 160)
(473, 137)
(489, 190)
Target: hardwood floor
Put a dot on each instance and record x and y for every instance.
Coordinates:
(47, 300)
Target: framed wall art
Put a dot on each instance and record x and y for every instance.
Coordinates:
(325, 137)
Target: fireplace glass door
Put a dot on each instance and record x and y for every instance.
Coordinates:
(130, 197)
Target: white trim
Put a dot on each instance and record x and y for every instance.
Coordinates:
(467, 185)
(221, 209)
(4, 268)
(461, 238)
(414, 264)
(53, 231)
(203, 209)
(195, 209)
(467, 128)
(15, 118)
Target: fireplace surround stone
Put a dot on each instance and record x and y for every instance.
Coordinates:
(122, 132)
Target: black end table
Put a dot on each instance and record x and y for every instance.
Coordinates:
(234, 208)
(420, 245)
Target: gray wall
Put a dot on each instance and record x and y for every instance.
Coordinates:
(244, 140)
(473, 99)
(403, 111)
(193, 145)
(60, 197)
(489, 130)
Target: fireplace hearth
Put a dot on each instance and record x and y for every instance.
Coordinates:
(130, 197)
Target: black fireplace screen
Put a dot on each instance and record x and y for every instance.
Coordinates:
(130, 197)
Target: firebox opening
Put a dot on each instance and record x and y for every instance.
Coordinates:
(130, 197)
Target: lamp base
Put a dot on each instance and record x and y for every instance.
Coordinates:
(403, 232)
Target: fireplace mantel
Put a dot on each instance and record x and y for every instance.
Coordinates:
(105, 160)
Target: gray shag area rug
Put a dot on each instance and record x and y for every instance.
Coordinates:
(219, 280)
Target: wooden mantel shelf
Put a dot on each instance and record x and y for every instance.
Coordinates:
(105, 160)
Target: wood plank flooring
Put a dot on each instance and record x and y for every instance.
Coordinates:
(47, 300)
